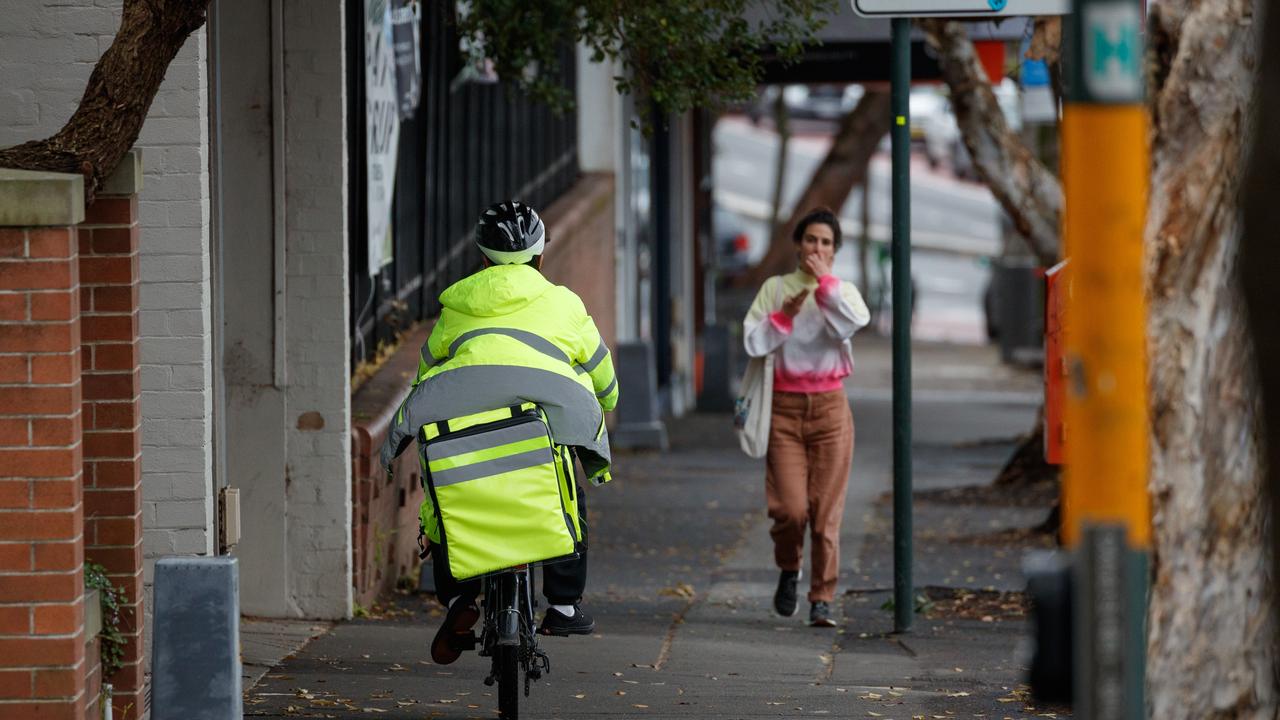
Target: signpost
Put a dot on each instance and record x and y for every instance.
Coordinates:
(901, 11)
(1106, 517)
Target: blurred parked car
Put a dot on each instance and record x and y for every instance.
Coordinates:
(733, 244)
(926, 104)
(818, 102)
(942, 141)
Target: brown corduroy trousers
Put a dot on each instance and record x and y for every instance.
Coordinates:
(807, 473)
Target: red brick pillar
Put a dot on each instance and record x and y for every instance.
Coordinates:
(42, 641)
(112, 422)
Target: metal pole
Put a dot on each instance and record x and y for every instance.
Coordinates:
(1106, 507)
(900, 74)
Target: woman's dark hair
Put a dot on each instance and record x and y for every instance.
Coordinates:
(822, 215)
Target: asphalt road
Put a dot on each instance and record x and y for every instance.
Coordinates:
(955, 225)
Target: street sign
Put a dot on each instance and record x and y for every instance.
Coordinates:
(959, 8)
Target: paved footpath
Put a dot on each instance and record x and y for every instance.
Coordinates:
(682, 578)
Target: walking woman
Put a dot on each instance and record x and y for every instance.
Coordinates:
(806, 319)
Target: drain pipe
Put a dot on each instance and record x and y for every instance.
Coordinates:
(279, 376)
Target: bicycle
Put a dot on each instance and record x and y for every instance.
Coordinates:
(508, 635)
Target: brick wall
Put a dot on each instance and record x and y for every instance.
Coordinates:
(580, 254)
(174, 323)
(47, 50)
(108, 241)
(318, 406)
(42, 644)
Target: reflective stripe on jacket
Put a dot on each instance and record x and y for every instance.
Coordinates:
(505, 336)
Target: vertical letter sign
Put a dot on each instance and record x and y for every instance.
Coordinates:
(382, 129)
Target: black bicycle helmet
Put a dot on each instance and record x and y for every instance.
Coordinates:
(510, 233)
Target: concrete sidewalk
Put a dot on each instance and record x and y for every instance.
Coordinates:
(682, 580)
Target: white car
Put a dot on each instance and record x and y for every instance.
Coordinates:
(942, 140)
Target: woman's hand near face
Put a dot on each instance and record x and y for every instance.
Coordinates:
(816, 265)
(791, 306)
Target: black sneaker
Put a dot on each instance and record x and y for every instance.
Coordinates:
(559, 624)
(820, 615)
(455, 632)
(784, 600)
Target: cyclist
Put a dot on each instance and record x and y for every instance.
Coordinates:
(506, 335)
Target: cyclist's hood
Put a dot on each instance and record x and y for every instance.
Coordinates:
(496, 290)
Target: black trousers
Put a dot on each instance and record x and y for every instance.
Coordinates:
(562, 582)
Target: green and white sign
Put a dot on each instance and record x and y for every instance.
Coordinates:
(1113, 66)
(1106, 42)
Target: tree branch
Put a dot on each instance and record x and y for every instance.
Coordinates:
(1024, 187)
(844, 167)
(119, 94)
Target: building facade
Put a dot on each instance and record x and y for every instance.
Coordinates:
(229, 321)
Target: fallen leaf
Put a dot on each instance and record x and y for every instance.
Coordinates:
(580, 695)
(642, 707)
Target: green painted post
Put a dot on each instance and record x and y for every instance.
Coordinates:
(900, 75)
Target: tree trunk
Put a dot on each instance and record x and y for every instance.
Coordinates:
(1212, 649)
(783, 128)
(844, 167)
(1260, 255)
(119, 94)
(1024, 187)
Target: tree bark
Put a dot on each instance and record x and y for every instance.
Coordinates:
(782, 126)
(844, 167)
(1212, 649)
(1260, 255)
(119, 94)
(1024, 187)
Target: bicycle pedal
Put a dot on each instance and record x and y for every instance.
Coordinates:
(465, 641)
(489, 681)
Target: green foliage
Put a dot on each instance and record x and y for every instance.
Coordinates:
(674, 54)
(112, 599)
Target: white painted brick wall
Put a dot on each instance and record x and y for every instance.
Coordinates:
(47, 50)
(319, 462)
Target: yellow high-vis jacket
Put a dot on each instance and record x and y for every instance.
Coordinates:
(506, 336)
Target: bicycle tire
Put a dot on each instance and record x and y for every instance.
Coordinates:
(508, 661)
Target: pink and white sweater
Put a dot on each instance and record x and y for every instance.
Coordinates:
(813, 347)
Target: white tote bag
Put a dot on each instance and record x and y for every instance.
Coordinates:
(754, 405)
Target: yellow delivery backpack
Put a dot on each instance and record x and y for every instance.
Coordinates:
(499, 492)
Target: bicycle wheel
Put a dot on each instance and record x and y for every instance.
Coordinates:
(508, 661)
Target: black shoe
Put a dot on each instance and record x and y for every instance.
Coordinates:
(557, 623)
(784, 600)
(455, 632)
(820, 615)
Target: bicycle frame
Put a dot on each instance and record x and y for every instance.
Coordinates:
(508, 635)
